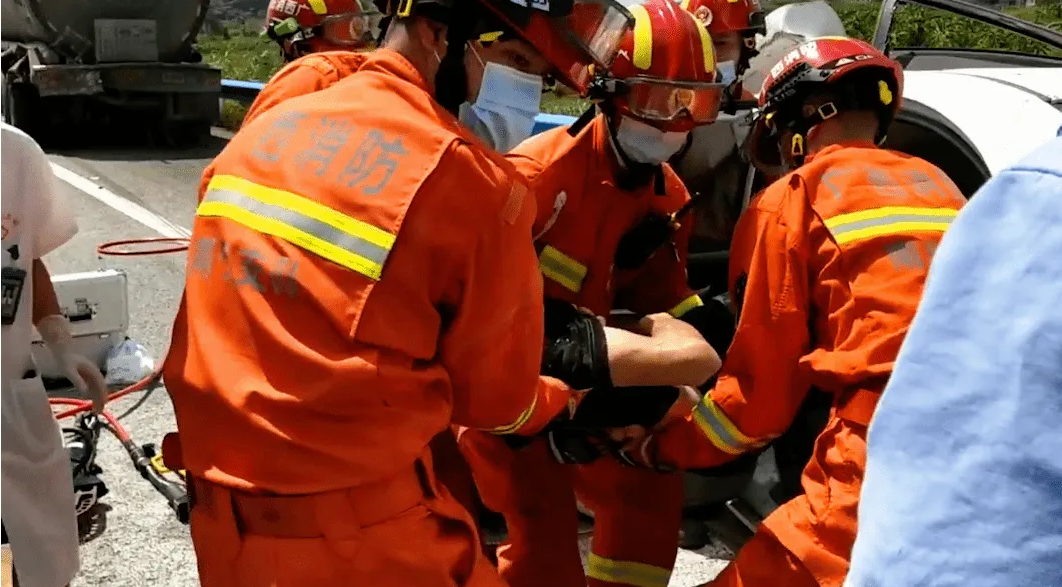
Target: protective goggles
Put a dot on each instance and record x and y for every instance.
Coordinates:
(662, 100)
(354, 29)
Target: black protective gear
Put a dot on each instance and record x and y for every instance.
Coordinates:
(714, 320)
(643, 240)
(575, 349)
(574, 446)
(618, 407)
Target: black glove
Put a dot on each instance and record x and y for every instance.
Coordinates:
(643, 456)
(575, 349)
(574, 446)
(618, 407)
(714, 321)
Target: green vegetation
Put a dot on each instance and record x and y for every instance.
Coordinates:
(243, 53)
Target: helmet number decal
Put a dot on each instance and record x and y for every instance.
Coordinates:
(809, 50)
(542, 5)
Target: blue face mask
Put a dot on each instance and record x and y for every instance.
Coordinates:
(644, 143)
(727, 71)
(505, 109)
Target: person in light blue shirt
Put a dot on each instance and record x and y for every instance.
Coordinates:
(963, 482)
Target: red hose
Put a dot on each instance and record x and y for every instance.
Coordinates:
(107, 249)
(178, 244)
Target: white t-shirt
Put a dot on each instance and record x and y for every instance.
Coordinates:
(36, 221)
(38, 495)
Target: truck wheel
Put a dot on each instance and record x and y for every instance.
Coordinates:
(20, 107)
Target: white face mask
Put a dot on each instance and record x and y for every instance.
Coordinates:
(505, 109)
(727, 71)
(647, 144)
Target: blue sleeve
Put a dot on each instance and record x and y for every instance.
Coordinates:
(963, 483)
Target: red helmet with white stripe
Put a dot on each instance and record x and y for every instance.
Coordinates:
(852, 73)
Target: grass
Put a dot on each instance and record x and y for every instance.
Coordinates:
(242, 53)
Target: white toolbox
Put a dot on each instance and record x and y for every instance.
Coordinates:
(97, 305)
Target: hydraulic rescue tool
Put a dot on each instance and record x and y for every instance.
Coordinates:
(99, 322)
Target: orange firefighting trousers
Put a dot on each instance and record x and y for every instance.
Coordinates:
(808, 540)
(637, 514)
(401, 532)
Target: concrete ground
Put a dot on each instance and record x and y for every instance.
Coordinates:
(134, 539)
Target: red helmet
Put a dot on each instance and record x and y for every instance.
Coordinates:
(665, 71)
(728, 16)
(859, 77)
(309, 26)
(574, 36)
(725, 17)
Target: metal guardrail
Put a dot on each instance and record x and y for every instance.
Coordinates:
(245, 92)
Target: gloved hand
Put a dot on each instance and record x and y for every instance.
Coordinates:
(639, 453)
(82, 373)
(573, 445)
(714, 321)
(617, 407)
(575, 349)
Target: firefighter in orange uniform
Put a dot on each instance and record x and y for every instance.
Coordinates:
(322, 42)
(599, 185)
(345, 304)
(318, 57)
(322, 48)
(827, 268)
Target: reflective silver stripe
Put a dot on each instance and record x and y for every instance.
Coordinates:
(716, 431)
(310, 226)
(887, 220)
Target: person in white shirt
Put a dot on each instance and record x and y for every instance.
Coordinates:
(37, 489)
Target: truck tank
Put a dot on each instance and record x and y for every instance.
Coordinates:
(70, 26)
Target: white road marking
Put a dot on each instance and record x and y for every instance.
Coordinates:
(123, 205)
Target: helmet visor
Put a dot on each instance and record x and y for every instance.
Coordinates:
(662, 100)
(597, 26)
(351, 29)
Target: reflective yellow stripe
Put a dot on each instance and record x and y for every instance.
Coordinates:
(685, 4)
(875, 222)
(721, 431)
(686, 305)
(561, 268)
(323, 231)
(518, 423)
(643, 37)
(707, 48)
(318, 6)
(626, 572)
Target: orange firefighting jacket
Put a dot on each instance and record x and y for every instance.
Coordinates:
(582, 215)
(826, 270)
(305, 75)
(359, 277)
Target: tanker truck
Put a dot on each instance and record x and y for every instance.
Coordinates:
(105, 64)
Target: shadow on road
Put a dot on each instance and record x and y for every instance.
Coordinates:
(134, 150)
(92, 524)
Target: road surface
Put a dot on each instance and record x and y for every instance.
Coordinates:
(135, 539)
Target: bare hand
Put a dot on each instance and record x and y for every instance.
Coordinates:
(88, 379)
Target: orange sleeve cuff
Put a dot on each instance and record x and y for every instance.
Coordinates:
(683, 446)
(553, 397)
